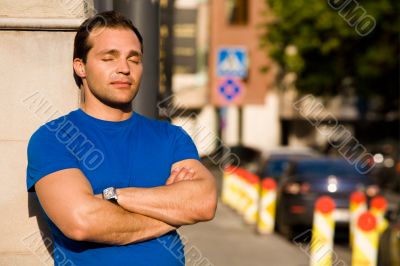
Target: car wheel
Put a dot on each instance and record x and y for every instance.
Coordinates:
(283, 228)
(384, 258)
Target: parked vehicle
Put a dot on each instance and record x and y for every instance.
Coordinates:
(386, 170)
(278, 159)
(249, 157)
(389, 243)
(306, 180)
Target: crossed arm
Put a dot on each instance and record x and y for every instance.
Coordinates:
(67, 198)
(189, 197)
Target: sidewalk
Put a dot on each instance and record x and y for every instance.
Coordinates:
(226, 241)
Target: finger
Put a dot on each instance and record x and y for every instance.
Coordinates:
(190, 175)
(181, 175)
(174, 173)
(185, 174)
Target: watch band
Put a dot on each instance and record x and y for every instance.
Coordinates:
(110, 193)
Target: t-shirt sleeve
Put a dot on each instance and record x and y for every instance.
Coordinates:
(46, 155)
(183, 147)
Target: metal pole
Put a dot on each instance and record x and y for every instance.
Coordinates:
(145, 15)
(103, 5)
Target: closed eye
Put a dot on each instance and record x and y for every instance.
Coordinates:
(135, 60)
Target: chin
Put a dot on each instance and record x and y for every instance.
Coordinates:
(123, 98)
(118, 102)
(118, 99)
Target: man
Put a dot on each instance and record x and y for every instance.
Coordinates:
(113, 184)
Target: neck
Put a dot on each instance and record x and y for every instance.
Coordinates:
(106, 112)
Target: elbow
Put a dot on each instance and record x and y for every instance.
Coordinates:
(76, 234)
(78, 228)
(209, 209)
(210, 204)
(204, 212)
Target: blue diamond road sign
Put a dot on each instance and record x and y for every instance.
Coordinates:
(229, 89)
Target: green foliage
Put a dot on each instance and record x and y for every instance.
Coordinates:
(314, 40)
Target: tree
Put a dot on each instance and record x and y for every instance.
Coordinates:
(328, 43)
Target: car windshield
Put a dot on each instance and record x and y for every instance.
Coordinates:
(326, 168)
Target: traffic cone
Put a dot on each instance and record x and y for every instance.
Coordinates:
(266, 217)
(365, 241)
(322, 232)
(358, 205)
(378, 209)
(252, 192)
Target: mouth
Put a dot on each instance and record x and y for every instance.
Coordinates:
(121, 83)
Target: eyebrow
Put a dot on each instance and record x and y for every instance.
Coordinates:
(116, 52)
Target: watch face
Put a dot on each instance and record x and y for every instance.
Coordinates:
(109, 193)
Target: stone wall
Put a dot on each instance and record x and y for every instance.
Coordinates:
(36, 84)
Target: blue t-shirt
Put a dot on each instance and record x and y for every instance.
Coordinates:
(137, 152)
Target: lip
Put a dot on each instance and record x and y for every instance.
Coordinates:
(121, 83)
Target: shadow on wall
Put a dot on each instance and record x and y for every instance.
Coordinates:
(35, 210)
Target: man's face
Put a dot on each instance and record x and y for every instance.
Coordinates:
(114, 66)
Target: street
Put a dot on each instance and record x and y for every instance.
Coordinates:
(228, 241)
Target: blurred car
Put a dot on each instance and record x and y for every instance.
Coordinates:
(306, 180)
(389, 243)
(386, 170)
(249, 157)
(245, 157)
(277, 160)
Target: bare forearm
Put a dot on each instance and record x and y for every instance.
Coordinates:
(110, 224)
(181, 203)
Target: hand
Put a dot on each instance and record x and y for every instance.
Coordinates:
(180, 174)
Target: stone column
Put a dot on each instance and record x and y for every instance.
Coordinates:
(36, 85)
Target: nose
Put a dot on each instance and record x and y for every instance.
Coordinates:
(123, 67)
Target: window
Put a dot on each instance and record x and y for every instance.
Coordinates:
(237, 11)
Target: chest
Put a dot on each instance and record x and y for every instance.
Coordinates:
(128, 160)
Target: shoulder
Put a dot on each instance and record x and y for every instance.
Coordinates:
(48, 132)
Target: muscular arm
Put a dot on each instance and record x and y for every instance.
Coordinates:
(67, 198)
(179, 203)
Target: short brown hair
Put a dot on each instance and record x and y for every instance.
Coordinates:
(108, 19)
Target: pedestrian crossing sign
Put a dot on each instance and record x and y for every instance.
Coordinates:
(232, 62)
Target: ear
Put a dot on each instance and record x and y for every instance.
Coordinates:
(79, 67)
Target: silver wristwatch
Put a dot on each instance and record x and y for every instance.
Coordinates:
(110, 194)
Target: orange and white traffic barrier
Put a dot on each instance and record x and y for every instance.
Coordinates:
(232, 187)
(365, 248)
(378, 208)
(226, 193)
(242, 198)
(322, 232)
(229, 190)
(266, 214)
(252, 194)
(238, 195)
(358, 205)
(240, 191)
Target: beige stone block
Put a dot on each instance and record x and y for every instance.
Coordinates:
(24, 260)
(45, 8)
(21, 229)
(36, 80)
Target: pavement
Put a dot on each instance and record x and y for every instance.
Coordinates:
(227, 241)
